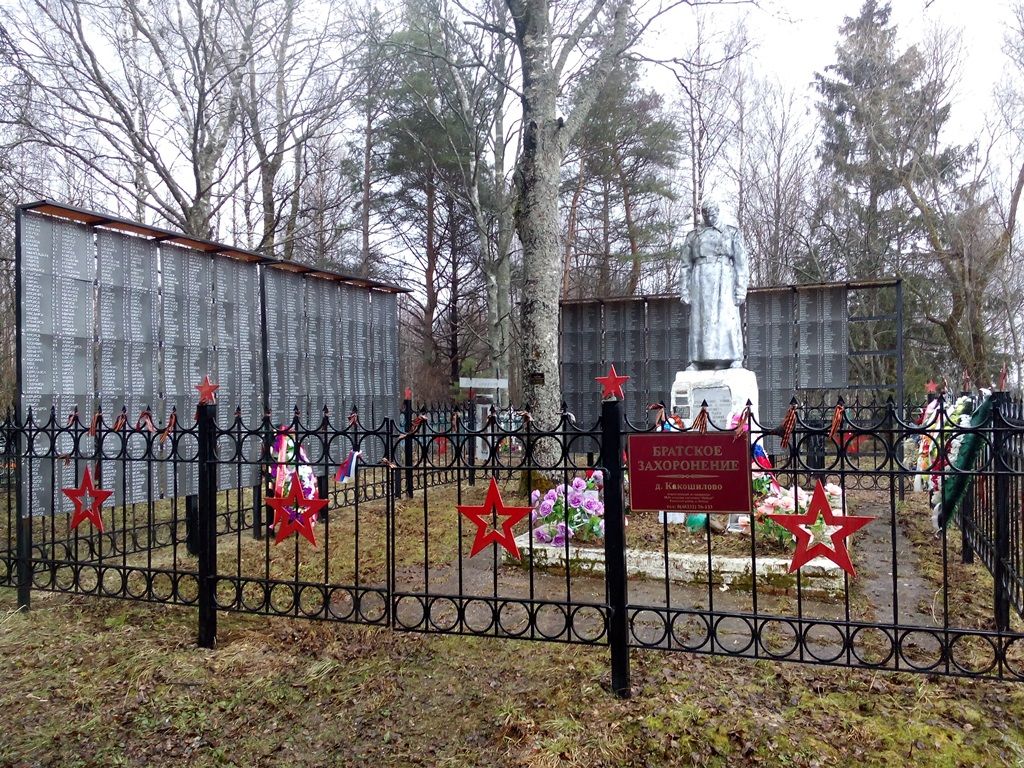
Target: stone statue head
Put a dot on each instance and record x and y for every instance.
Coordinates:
(709, 209)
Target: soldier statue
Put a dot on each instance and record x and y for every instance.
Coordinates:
(713, 282)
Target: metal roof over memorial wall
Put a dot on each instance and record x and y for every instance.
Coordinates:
(158, 235)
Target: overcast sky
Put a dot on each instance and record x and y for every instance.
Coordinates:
(793, 39)
(796, 38)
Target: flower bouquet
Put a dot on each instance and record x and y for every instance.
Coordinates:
(570, 511)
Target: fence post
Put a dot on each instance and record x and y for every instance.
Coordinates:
(192, 525)
(615, 545)
(23, 532)
(257, 508)
(471, 429)
(967, 509)
(206, 538)
(407, 413)
(1001, 468)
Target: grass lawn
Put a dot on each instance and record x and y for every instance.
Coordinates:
(93, 682)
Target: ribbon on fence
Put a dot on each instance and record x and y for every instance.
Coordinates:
(659, 413)
(121, 421)
(418, 422)
(700, 424)
(145, 420)
(744, 421)
(353, 419)
(788, 425)
(94, 425)
(837, 420)
(172, 422)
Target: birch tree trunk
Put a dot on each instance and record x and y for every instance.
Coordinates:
(538, 173)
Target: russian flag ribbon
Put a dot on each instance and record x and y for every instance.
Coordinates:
(347, 468)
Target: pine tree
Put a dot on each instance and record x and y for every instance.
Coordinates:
(624, 155)
(883, 111)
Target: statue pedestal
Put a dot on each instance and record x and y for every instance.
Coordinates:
(726, 392)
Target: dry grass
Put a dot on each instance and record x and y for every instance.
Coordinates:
(93, 682)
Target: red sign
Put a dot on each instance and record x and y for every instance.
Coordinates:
(690, 472)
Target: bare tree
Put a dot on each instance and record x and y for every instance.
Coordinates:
(775, 174)
(144, 96)
(548, 44)
(709, 76)
(294, 89)
(471, 73)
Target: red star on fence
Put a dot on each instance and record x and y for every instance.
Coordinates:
(482, 516)
(931, 387)
(207, 391)
(611, 384)
(88, 500)
(295, 514)
(837, 529)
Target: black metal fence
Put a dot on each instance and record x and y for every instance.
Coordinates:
(390, 545)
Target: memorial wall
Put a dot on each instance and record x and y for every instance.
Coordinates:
(114, 320)
(796, 339)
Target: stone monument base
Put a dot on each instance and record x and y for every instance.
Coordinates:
(726, 392)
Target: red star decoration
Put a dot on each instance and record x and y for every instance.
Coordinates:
(611, 384)
(840, 527)
(931, 387)
(482, 516)
(87, 499)
(207, 391)
(293, 513)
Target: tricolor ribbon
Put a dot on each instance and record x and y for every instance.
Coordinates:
(347, 468)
